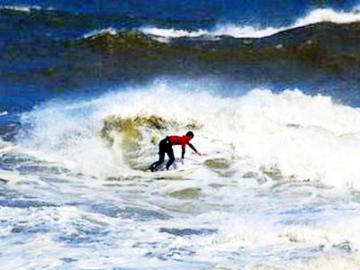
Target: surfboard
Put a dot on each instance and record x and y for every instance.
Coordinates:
(174, 174)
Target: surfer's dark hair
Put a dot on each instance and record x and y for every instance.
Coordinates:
(190, 134)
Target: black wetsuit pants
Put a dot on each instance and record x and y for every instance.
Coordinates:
(165, 146)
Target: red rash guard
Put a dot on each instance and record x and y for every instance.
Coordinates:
(179, 140)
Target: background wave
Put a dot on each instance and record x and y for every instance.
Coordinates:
(249, 31)
(315, 57)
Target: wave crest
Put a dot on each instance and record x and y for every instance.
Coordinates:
(248, 31)
(97, 33)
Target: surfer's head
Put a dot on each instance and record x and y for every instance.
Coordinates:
(190, 134)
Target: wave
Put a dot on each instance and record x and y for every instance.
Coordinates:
(219, 30)
(3, 113)
(323, 49)
(312, 52)
(288, 136)
(247, 31)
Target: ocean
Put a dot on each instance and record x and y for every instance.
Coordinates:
(270, 90)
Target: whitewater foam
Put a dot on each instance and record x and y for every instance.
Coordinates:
(288, 136)
(248, 31)
(328, 15)
(228, 29)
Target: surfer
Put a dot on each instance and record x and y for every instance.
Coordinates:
(165, 146)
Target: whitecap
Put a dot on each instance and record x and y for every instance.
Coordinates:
(93, 34)
(249, 31)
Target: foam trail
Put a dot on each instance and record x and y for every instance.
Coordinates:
(247, 31)
(295, 136)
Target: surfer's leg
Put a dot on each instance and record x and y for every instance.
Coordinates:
(159, 162)
(161, 157)
(170, 153)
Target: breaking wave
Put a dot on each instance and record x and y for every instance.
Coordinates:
(288, 136)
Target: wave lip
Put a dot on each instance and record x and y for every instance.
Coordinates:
(99, 32)
(228, 29)
(248, 31)
(328, 15)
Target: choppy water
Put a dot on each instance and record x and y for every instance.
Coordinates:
(88, 90)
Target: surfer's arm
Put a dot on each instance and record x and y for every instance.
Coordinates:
(193, 148)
